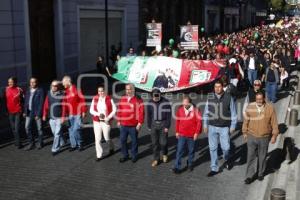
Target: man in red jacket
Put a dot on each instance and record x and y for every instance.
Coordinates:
(188, 128)
(14, 97)
(75, 109)
(130, 116)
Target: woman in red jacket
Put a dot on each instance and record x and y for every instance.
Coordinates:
(14, 97)
(103, 110)
(188, 128)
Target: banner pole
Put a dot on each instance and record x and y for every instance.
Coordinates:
(106, 34)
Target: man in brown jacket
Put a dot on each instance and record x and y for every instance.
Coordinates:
(260, 124)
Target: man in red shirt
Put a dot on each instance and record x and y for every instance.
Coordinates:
(14, 97)
(130, 116)
(188, 128)
(75, 109)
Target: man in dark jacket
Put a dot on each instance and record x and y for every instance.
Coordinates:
(33, 109)
(272, 79)
(250, 98)
(159, 121)
(219, 120)
(161, 81)
(229, 88)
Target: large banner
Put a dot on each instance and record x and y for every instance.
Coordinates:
(154, 34)
(166, 73)
(189, 37)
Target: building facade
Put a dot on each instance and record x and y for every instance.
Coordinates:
(215, 16)
(50, 38)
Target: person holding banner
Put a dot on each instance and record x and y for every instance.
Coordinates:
(130, 116)
(131, 52)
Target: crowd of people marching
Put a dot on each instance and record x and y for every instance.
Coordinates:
(251, 58)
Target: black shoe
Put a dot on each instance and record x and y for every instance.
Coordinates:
(190, 167)
(72, 149)
(20, 146)
(134, 160)
(176, 171)
(29, 147)
(228, 166)
(40, 146)
(124, 159)
(98, 159)
(260, 178)
(212, 173)
(248, 181)
(80, 148)
(55, 153)
(111, 152)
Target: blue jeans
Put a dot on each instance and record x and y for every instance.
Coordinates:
(180, 150)
(74, 130)
(271, 89)
(28, 128)
(58, 140)
(252, 75)
(124, 132)
(214, 133)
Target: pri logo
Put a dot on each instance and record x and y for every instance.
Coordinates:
(188, 37)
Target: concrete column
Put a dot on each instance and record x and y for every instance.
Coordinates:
(59, 38)
(27, 38)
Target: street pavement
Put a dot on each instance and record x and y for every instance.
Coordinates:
(75, 175)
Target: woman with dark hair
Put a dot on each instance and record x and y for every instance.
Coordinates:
(103, 110)
(100, 65)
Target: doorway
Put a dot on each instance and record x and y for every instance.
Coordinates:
(41, 21)
(92, 36)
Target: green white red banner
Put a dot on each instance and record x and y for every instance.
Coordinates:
(166, 73)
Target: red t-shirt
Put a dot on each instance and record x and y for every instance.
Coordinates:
(14, 96)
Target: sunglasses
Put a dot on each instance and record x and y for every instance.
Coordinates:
(156, 95)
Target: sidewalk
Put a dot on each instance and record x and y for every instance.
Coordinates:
(277, 176)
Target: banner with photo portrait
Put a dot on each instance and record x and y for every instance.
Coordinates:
(189, 37)
(166, 73)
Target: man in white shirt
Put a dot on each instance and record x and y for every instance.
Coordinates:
(252, 68)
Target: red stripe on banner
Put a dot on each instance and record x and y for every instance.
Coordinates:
(188, 66)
